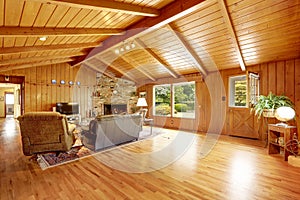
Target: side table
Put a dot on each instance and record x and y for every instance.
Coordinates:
(278, 137)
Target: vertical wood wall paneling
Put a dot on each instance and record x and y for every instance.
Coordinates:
(27, 90)
(83, 93)
(33, 90)
(297, 94)
(263, 78)
(58, 78)
(280, 73)
(39, 82)
(272, 78)
(49, 86)
(41, 95)
(54, 86)
(290, 79)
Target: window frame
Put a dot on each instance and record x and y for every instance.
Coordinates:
(231, 95)
(172, 99)
(252, 89)
(154, 100)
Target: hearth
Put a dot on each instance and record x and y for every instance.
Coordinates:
(114, 109)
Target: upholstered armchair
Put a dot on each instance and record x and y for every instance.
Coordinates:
(45, 131)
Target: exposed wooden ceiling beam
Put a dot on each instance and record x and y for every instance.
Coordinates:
(108, 5)
(117, 69)
(158, 59)
(92, 66)
(35, 64)
(191, 53)
(231, 30)
(136, 66)
(38, 31)
(169, 13)
(13, 50)
(37, 59)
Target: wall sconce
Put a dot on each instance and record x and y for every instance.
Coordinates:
(78, 83)
(71, 83)
(62, 82)
(53, 81)
(125, 47)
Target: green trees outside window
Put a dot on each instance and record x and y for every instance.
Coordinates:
(162, 100)
(238, 91)
(179, 98)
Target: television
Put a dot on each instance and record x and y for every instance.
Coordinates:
(67, 108)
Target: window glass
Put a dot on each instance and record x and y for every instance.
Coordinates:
(238, 91)
(184, 100)
(253, 82)
(162, 99)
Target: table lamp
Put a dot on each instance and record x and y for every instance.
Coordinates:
(284, 114)
(142, 103)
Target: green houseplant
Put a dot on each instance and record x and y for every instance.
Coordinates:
(266, 105)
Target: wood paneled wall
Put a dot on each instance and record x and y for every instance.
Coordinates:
(282, 77)
(202, 120)
(42, 95)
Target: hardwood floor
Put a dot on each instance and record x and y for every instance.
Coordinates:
(234, 169)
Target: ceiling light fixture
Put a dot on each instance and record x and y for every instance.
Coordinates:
(125, 47)
(44, 38)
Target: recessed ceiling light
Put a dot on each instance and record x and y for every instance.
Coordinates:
(44, 38)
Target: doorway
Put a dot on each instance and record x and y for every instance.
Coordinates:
(12, 85)
(9, 102)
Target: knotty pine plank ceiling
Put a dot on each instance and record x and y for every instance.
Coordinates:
(212, 35)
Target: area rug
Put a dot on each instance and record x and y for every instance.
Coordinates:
(78, 151)
(52, 159)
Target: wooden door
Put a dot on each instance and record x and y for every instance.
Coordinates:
(242, 123)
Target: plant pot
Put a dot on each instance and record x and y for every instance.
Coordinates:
(270, 113)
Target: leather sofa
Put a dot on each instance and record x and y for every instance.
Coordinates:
(44, 132)
(112, 130)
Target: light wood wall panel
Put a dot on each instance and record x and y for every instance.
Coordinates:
(41, 95)
(202, 120)
(281, 77)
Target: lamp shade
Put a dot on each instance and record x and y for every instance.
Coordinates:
(142, 102)
(284, 113)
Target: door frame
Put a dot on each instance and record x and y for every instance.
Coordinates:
(16, 80)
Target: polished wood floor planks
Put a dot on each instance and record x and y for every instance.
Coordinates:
(234, 168)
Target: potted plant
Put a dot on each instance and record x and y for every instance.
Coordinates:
(266, 105)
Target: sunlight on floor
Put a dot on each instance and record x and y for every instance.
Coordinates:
(241, 175)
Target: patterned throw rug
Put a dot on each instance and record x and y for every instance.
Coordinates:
(52, 159)
(78, 151)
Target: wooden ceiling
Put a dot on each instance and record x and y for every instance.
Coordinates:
(171, 37)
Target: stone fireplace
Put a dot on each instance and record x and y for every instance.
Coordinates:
(114, 109)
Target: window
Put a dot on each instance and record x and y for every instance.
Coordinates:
(243, 90)
(176, 100)
(238, 91)
(162, 99)
(253, 82)
(184, 100)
